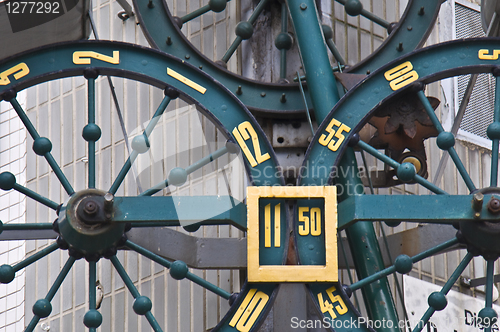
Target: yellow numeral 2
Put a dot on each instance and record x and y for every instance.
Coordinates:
(242, 133)
(327, 306)
(312, 224)
(327, 140)
(19, 70)
(401, 75)
(248, 312)
(83, 57)
(277, 226)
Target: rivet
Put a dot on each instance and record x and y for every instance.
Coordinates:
(187, 56)
(409, 28)
(303, 6)
(262, 94)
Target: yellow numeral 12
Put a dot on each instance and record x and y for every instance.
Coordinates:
(83, 57)
(277, 226)
(327, 306)
(248, 312)
(327, 140)
(401, 75)
(312, 224)
(243, 132)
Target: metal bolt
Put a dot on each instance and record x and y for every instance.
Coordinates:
(477, 202)
(151, 4)
(169, 40)
(421, 11)
(238, 91)
(400, 47)
(108, 201)
(283, 98)
(90, 208)
(494, 205)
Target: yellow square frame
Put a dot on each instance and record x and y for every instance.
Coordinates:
(292, 273)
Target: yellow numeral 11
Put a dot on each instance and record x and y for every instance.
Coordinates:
(277, 226)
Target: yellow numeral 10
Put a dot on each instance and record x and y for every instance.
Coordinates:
(327, 140)
(243, 132)
(401, 75)
(249, 310)
(277, 226)
(327, 306)
(312, 223)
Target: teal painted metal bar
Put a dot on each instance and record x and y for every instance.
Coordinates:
(490, 266)
(52, 291)
(446, 288)
(391, 269)
(348, 268)
(391, 162)
(412, 208)
(366, 253)
(92, 289)
(372, 17)
(305, 104)
(453, 153)
(284, 29)
(33, 258)
(180, 210)
(321, 83)
(195, 13)
(130, 160)
(48, 156)
(29, 226)
(37, 197)
(135, 293)
(91, 120)
(193, 277)
(336, 54)
(495, 141)
(190, 169)
(237, 41)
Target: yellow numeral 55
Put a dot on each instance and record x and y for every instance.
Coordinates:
(327, 140)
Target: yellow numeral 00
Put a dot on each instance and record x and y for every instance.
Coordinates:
(401, 75)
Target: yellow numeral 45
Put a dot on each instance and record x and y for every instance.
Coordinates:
(328, 306)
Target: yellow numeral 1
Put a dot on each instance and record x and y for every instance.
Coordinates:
(401, 75)
(327, 140)
(83, 57)
(327, 306)
(243, 132)
(277, 226)
(249, 310)
(19, 70)
(312, 224)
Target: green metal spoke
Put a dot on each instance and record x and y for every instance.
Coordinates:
(142, 304)
(438, 296)
(92, 318)
(189, 275)
(391, 162)
(284, 32)
(446, 140)
(22, 227)
(33, 258)
(91, 124)
(359, 10)
(42, 307)
(42, 146)
(328, 34)
(348, 268)
(490, 266)
(216, 6)
(391, 269)
(8, 182)
(493, 132)
(244, 30)
(137, 142)
(178, 174)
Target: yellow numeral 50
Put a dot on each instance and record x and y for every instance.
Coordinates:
(312, 223)
(327, 140)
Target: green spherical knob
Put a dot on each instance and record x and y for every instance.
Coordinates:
(140, 143)
(142, 304)
(192, 228)
(42, 145)
(283, 41)
(178, 270)
(488, 316)
(353, 7)
(1, 227)
(406, 172)
(7, 274)
(493, 130)
(177, 176)
(437, 301)
(232, 147)
(403, 264)
(91, 132)
(392, 223)
(217, 5)
(42, 308)
(244, 30)
(445, 140)
(92, 319)
(7, 181)
(327, 31)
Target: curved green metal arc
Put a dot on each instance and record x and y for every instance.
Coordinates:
(150, 66)
(412, 30)
(157, 25)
